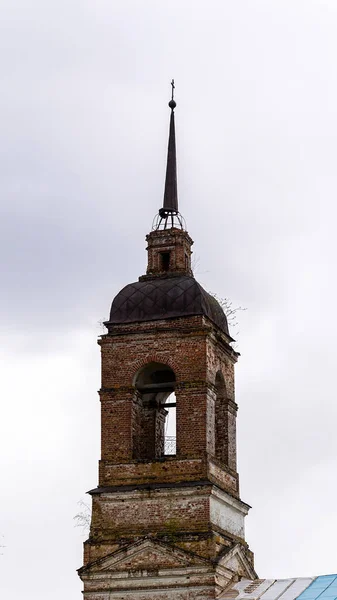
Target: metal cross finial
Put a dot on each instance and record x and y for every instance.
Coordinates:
(172, 103)
(173, 88)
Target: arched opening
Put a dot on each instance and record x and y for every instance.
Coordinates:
(154, 412)
(170, 426)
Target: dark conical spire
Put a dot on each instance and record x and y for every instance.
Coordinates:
(169, 215)
(170, 203)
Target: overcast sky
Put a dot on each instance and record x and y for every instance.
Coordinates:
(84, 122)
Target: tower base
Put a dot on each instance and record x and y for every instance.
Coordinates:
(157, 542)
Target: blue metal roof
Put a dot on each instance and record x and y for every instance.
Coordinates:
(323, 587)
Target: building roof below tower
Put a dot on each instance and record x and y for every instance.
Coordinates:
(323, 587)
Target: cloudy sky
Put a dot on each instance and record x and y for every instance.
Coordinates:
(84, 121)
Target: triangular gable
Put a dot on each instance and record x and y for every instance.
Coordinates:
(237, 562)
(147, 554)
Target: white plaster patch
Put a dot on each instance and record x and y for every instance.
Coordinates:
(228, 513)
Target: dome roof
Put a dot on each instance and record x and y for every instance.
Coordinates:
(165, 298)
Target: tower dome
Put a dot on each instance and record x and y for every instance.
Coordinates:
(165, 298)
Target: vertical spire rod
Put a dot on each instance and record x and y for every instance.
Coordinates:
(170, 203)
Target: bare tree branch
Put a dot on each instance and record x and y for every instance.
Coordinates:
(231, 313)
(82, 519)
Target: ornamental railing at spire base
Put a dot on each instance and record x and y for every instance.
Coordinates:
(168, 219)
(170, 445)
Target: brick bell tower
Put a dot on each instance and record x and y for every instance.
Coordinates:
(167, 518)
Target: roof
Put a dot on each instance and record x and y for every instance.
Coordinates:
(323, 587)
(165, 298)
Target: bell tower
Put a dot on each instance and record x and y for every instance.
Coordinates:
(167, 518)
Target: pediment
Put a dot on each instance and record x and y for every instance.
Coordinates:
(237, 562)
(147, 555)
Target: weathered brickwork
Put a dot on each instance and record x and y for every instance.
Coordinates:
(168, 251)
(203, 411)
(166, 526)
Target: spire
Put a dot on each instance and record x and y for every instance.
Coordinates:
(171, 195)
(169, 215)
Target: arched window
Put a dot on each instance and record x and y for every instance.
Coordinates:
(153, 417)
